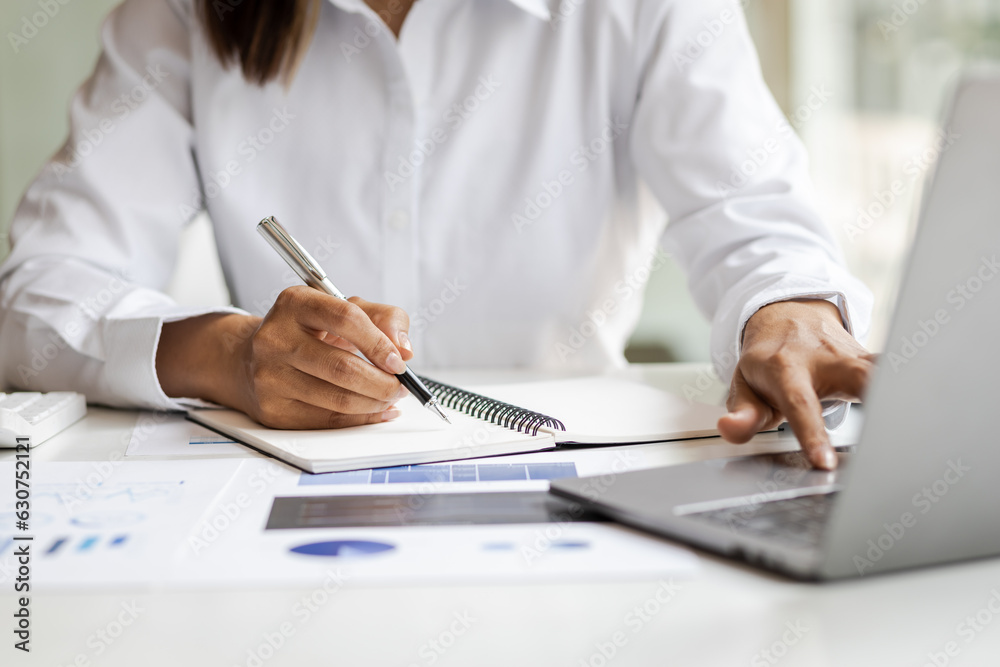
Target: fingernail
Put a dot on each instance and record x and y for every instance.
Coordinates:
(390, 414)
(401, 394)
(395, 363)
(742, 414)
(828, 459)
(404, 341)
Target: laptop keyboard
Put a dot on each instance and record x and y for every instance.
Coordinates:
(796, 521)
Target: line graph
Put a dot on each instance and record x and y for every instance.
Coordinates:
(131, 493)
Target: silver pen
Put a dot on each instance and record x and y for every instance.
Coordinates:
(313, 275)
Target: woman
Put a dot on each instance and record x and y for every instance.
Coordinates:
(480, 156)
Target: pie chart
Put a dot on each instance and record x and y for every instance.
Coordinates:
(342, 548)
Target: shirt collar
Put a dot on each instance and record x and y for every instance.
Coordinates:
(537, 8)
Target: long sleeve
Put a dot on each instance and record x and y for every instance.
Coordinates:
(94, 241)
(368, 182)
(716, 151)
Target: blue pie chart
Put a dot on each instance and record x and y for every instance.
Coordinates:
(342, 548)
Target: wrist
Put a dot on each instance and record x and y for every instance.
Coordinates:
(812, 313)
(201, 357)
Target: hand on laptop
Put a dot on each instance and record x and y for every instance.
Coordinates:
(795, 354)
(295, 368)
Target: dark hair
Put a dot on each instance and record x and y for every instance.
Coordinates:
(266, 37)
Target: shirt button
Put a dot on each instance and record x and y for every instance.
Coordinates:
(399, 220)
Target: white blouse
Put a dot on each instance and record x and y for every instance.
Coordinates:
(482, 172)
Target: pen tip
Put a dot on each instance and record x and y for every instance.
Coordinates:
(438, 412)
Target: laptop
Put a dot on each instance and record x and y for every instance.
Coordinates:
(922, 485)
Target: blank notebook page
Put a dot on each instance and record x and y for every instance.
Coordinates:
(604, 410)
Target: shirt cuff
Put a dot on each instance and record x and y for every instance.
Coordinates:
(835, 414)
(131, 369)
(836, 298)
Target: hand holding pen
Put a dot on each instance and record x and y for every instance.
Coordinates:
(296, 367)
(313, 275)
(299, 371)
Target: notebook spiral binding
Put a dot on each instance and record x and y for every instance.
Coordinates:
(491, 410)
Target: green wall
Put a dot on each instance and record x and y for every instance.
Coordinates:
(36, 79)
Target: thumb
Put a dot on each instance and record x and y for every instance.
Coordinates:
(748, 414)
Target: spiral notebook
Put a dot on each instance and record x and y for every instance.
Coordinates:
(487, 421)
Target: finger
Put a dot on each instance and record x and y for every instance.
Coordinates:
(797, 400)
(337, 341)
(309, 389)
(748, 414)
(331, 367)
(393, 321)
(844, 380)
(297, 415)
(322, 312)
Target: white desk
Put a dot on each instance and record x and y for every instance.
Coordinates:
(726, 615)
